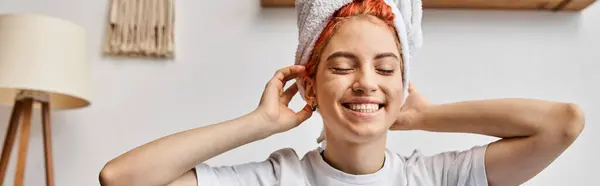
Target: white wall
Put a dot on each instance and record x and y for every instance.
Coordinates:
(226, 53)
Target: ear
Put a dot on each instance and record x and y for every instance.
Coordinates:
(309, 90)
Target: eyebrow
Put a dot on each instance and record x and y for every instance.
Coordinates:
(343, 55)
(353, 57)
(387, 54)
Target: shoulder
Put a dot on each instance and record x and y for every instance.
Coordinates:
(476, 152)
(286, 159)
(284, 154)
(281, 165)
(460, 167)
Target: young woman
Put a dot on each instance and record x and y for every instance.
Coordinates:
(355, 80)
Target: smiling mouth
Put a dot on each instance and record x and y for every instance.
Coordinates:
(364, 107)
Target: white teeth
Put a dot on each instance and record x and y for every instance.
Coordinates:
(364, 107)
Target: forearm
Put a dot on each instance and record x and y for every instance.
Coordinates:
(534, 132)
(166, 159)
(503, 118)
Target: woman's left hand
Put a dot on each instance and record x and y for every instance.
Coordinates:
(414, 105)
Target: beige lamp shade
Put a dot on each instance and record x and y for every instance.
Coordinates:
(41, 53)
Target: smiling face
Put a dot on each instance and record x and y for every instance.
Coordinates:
(358, 80)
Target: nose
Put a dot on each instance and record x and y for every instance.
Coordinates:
(365, 83)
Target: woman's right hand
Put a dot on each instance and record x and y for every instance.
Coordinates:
(273, 106)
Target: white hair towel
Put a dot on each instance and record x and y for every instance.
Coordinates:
(313, 16)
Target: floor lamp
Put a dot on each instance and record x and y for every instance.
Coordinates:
(43, 64)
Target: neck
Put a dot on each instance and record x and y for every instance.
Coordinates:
(355, 158)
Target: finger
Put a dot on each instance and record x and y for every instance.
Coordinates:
(304, 114)
(411, 87)
(404, 120)
(289, 94)
(397, 127)
(275, 86)
(287, 73)
(321, 137)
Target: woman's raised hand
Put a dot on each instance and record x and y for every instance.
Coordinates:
(273, 106)
(414, 105)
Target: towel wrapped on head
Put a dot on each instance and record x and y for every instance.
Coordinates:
(314, 15)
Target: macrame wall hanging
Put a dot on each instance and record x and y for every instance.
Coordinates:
(141, 28)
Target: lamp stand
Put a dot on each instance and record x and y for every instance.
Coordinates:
(21, 115)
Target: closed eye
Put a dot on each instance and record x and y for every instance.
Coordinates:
(340, 70)
(387, 71)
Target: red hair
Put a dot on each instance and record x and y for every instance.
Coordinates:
(359, 8)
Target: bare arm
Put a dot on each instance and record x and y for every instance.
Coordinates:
(188, 179)
(164, 160)
(534, 132)
(171, 159)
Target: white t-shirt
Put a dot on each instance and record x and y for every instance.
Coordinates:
(283, 167)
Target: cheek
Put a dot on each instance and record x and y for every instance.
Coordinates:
(328, 93)
(394, 94)
(331, 87)
(396, 87)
